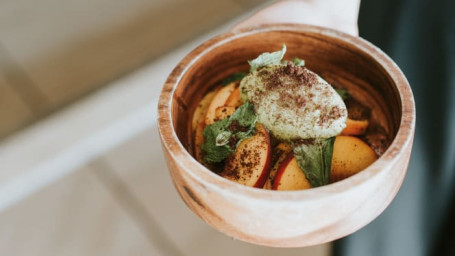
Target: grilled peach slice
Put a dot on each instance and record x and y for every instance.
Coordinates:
(250, 163)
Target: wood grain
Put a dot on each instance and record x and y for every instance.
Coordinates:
(291, 218)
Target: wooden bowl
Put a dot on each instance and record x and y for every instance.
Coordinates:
(289, 218)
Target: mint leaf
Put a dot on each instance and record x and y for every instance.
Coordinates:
(245, 120)
(298, 62)
(314, 157)
(233, 78)
(223, 136)
(245, 115)
(344, 94)
(267, 58)
(211, 152)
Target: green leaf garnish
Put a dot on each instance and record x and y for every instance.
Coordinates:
(233, 78)
(344, 94)
(211, 152)
(223, 136)
(314, 157)
(267, 58)
(298, 62)
(244, 115)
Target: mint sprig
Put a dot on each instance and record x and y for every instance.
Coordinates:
(314, 157)
(267, 58)
(298, 62)
(223, 136)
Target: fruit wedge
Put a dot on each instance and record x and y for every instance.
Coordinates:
(279, 153)
(290, 176)
(250, 163)
(201, 109)
(234, 99)
(199, 139)
(218, 101)
(198, 122)
(355, 127)
(223, 112)
(350, 156)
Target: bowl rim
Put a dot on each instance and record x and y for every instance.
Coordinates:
(171, 143)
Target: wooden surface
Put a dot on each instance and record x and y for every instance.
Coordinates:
(298, 218)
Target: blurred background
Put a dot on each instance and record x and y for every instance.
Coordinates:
(52, 53)
(81, 169)
(81, 172)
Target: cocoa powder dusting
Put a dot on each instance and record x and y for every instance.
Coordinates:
(240, 166)
(235, 126)
(287, 80)
(328, 115)
(304, 141)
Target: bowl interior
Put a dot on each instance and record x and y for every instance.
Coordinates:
(338, 61)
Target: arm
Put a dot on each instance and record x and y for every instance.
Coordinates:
(336, 14)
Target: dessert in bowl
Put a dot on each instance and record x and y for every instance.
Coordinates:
(299, 217)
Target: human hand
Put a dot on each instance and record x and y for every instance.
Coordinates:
(336, 14)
